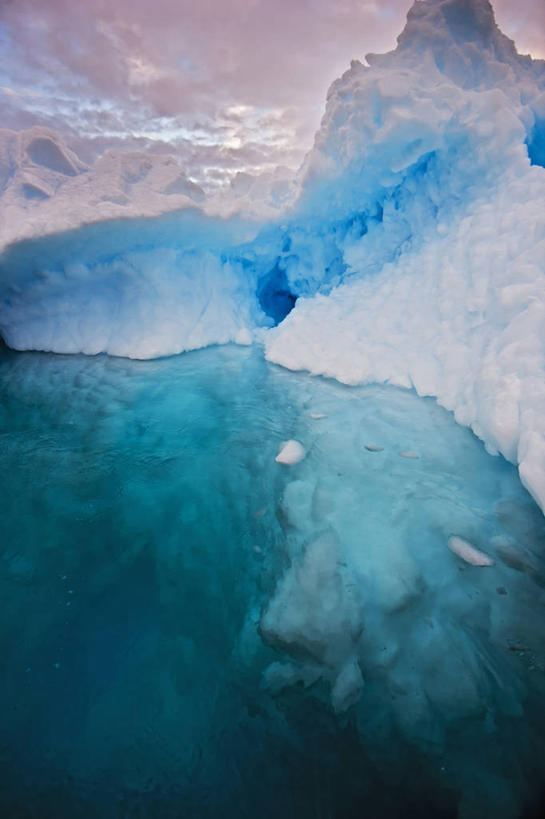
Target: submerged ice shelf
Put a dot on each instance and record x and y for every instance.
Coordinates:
(188, 609)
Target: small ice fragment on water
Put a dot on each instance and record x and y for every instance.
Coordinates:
(409, 453)
(70, 591)
(291, 452)
(63, 577)
(467, 552)
(257, 550)
(56, 665)
(374, 448)
(317, 415)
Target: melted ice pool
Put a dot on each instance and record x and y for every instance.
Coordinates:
(192, 629)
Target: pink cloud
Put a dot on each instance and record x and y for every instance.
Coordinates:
(236, 64)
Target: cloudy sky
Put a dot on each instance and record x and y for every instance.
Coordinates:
(224, 84)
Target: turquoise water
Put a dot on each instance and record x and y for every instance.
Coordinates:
(172, 635)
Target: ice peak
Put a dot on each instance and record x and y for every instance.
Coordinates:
(463, 40)
(461, 21)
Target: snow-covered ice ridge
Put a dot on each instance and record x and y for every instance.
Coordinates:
(410, 245)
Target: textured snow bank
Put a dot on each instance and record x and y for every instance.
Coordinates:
(46, 188)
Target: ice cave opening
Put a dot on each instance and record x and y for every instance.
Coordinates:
(274, 295)
(536, 143)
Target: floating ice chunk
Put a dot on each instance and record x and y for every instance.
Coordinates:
(317, 415)
(410, 454)
(291, 452)
(467, 552)
(374, 448)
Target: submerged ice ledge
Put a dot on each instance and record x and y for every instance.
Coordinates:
(410, 249)
(343, 575)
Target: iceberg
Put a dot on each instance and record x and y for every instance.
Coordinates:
(409, 249)
(241, 590)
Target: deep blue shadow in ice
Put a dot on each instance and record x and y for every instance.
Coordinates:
(145, 527)
(274, 295)
(536, 144)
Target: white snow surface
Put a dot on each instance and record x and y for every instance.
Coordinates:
(413, 239)
(46, 188)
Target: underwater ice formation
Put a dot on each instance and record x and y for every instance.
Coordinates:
(170, 583)
(409, 250)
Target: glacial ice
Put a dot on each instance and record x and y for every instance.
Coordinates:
(408, 250)
(395, 571)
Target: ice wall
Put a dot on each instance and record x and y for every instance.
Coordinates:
(139, 288)
(125, 257)
(445, 291)
(409, 250)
